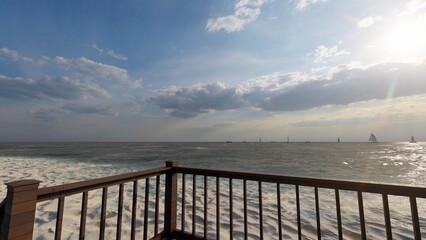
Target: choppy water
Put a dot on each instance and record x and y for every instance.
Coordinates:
(402, 163)
(397, 163)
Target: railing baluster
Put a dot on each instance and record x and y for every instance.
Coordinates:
(317, 210)
(338, 214)
(231, 211)
(361, 215)
(387, 216)
(146, 207)
(134, 205)
(103, 213)
(59, 216)
(245, 207)
(205, 206)
(260, 210)
(120, 210)
(280, 231)
(217, 208)
(415, 218)
(194, 203)
(157, 204)
(299, 225)
(83, 215)
(183, 201)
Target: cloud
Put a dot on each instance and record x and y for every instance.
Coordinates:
(302, 4)
(83, 67)
(349, 85)
(414, 6)
(298, 91)
(322, 53)
(49, 88)
(245, 12)
(109, 52)
(14, 55)
(368, 21)
(192, 101)
(90, 109)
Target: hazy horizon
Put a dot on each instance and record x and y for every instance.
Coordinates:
(197, 71)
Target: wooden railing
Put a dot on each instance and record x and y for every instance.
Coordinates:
(17, 212)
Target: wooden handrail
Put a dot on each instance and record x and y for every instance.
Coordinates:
(391, 189)
(49, 193)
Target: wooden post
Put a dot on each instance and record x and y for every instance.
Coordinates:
(170, 204)
(19, 212)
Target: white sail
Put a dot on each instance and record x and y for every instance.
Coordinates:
(372, 138)
(412, 140)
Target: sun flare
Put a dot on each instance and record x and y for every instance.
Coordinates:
(405, 40)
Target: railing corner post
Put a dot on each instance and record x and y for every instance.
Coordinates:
(170, 206)
(19, 210)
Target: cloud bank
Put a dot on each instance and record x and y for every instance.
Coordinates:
(298, 91)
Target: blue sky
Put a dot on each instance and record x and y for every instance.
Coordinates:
(199, 70)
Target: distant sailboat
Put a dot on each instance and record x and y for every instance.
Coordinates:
(244, 141)
(307, 140)
(372, 139)
(338, 139)
(412, 140)
(229, 140)
(288, 139)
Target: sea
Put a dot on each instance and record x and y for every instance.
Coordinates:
(400, 163)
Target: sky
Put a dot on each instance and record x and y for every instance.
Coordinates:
(199, 70)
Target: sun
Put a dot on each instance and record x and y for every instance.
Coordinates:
(405, 40)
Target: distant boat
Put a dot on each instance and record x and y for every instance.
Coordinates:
(307, 140)
(229, 140)
(244, 140)
(412, 140)
(372, 139)
(288, 139)
(338, 139)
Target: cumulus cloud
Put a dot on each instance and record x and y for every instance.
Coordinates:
(297, 91)
(14, 55)
(367, 22)
(322, 53)
(191, 101)
(109, 52)
(87, 68)
(302, 4)
(65, 88)
(245, 12)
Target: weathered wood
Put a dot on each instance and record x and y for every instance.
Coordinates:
(170, 201)
(183, 201)
(245, 208)
(260, 211)
(205, 206)
(231, 211)
(19, 210)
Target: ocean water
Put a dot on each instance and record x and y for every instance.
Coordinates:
(400, 163)
(395, 163)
